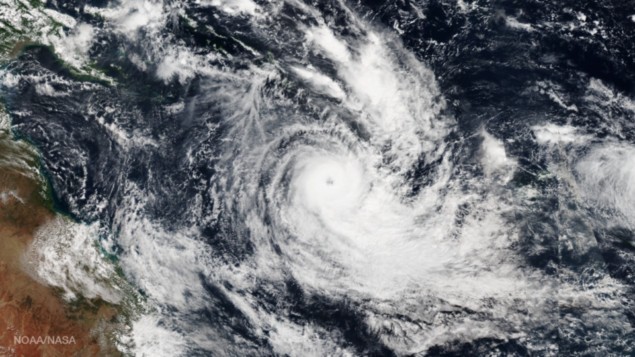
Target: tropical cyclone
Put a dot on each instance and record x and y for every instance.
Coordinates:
(341, 178)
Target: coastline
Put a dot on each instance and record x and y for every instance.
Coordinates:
(35, 319)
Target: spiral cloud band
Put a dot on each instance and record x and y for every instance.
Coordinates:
(338, 178)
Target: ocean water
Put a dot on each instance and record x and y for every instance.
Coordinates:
(368, 178)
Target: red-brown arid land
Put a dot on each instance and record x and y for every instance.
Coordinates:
(34, 319)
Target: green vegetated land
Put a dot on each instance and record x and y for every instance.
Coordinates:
(26, 205)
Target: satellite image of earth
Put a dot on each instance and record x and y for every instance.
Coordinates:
(317, 178)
